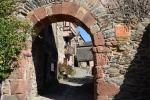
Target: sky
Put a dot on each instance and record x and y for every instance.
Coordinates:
(84, 34)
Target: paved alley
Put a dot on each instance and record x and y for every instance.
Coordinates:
(78, 87)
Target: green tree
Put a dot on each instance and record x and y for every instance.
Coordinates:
(13, 34)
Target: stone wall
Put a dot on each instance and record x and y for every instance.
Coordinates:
(118, 62)
(32, 70)
(134, 64)
(18, 85)
(127, 54)
(127, 59)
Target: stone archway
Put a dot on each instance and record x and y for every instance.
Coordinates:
(44, 14)
(102, 25)
(72, 12)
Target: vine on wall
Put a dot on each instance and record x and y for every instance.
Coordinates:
(13, 34)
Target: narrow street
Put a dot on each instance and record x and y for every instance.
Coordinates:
(78, 87)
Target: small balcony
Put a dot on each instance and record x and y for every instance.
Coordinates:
(69, 29)
(69, 50)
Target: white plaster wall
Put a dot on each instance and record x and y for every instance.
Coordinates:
(60, 42)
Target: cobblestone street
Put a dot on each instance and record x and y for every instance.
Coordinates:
(79, 87)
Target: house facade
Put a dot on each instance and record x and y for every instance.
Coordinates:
(66, 37)
(84, 55)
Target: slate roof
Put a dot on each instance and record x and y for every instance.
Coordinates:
(84, 54)
(86, 44)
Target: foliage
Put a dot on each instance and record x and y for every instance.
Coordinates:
(71, 70)
(63, 68)
(6, 7)
(12, 37)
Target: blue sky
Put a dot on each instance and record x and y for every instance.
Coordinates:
(84, 34)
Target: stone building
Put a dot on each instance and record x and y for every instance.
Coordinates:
(121, 46)
(84, 55)
(66, 35)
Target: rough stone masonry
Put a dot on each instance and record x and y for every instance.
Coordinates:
(121, 50)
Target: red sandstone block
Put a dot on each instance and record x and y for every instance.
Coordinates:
(98, 72)
(21, 73)
(30, 60)
(40, 12)
(28, 74)
(65, 7)
(56, 8)
(34, 19)
(27, 86)
(73, 9)
(100, 59)
(22, 63)
(26, 53)
(122, 31)
(100, 49)
(17, 87)
(108, 44)
(106, 89)
(12, 75)
(88, 20)
(98, 39)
